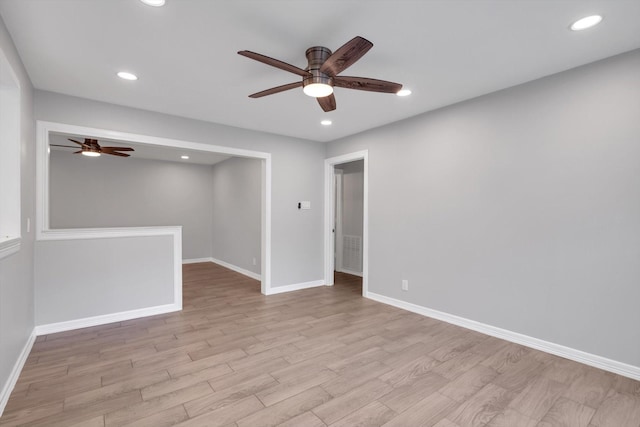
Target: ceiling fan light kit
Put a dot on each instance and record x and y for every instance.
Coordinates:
(321, 74)
(317, 90)
(317, 84)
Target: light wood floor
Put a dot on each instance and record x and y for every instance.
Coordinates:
(323, 356)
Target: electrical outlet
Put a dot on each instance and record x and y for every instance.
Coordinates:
(405, 285)
(254, 261)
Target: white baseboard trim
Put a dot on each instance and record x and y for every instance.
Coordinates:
(15, 372)
(225, 264)
(295, 287)
(196, 260)
(596, 361)
(237, 269)
(87, 322)
(353, 273)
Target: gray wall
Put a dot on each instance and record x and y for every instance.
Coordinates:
(297, 241)
(116, 192)
(16, 271)
(519, 209)
(125, 274)
(237, 201)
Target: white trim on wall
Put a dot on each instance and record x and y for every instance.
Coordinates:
(15, 372)
(596, 361)
(338, 186)
(196, 260)
(224, 264)
(10, 144)
(9, 246)
(265, 283)
(237, 269)
(296, 287)
(43, 232)
(104, 319)
(329, 166)
(111, 232)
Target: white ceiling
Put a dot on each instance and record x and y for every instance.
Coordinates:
(185, 53)
(142, 151)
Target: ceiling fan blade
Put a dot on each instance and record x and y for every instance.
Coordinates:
(328, 103)
(346, 55)
(117, 149)
(66, 146)
(274, 63)
(364, 83)
(78, 142)
(276, 90)
(77, 152)
(115, 153)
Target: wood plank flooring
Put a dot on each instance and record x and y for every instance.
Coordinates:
(317, 357)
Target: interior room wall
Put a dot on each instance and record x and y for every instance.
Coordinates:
(519, 209)
(108, 191)
(237, 200)
(352, 198)
(114, 268)
(16, 270)
(297, 172)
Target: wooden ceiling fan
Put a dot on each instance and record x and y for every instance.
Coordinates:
(91, 148)
(321, 74)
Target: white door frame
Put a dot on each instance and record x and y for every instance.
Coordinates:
(329, 249)
(337, 223)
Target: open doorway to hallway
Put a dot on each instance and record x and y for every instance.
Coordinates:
(348, 218)
(348, 281)
(347, 221)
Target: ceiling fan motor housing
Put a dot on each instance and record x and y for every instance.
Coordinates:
(92, 145)
(316, 56)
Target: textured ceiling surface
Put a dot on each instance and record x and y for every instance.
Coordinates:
(185, 53)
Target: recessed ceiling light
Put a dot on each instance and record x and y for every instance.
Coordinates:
(326, 122)
(155, 3)
(403, 92)
(184, 157)
(127, 76)
(586, 22)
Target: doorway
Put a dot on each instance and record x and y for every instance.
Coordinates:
(44, 232)
(348, 204)
(346, 220)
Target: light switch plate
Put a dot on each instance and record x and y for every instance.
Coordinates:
(305, 205)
